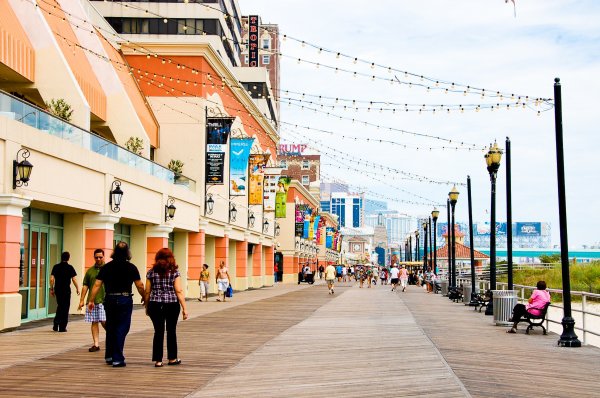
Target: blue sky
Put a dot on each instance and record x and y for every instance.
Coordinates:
(479, 43)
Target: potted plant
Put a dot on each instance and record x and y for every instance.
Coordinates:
(176, 166)
(60, 108)
(135, 145)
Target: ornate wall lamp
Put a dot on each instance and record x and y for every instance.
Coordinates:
(115, 195)
(251, 219)
(22, 169)
(170, 209)
(277, 229)
(265, 226)
(232, 212)
(209, 203)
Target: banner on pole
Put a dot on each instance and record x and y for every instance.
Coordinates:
(217, 132)
(270, 187)
(257, 163)
(239, 153)
(281, 196)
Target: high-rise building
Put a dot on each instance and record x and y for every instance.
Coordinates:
(349, 208)
(397, 225)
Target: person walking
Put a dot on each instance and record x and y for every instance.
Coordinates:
(96, 316)
(403, 277)
(163, 298)
(117, 276)
(330, 275)
(222, 280)
(394, 273)
(204, 282)
(321, 271)
(61, 277)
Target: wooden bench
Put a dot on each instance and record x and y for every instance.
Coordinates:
(535, 320)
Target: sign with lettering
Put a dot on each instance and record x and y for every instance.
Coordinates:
(238, 165)
(253, 35)
(292, 149)
(529, 229)
(217, 132)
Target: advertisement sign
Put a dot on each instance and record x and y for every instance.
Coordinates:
(257, 163)
(253, 40)
(529, 229)
(299, 219)
(316, 227)
(239, 153)
(329, 237)
(217, 132)
(483, 229)
(281, 196)
(270, 187)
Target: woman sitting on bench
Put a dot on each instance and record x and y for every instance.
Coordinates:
(539, 298)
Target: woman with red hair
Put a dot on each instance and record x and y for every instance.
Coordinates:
(164, 296)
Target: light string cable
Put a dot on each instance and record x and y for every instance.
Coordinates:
(352, 158)
(148, 53)
(433, 83)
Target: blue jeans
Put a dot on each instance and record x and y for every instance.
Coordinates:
(118, 320)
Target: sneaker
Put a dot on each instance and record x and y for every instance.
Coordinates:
(94, 348)
(119, 364)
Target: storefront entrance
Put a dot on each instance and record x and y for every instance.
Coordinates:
(41, 246)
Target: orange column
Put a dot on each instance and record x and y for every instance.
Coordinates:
(99, 234)
(288, 264)
(269, 260)
(196, 253)
(11, 215)
(296, 264)
(241, 258)
(222, 251)
(257, 260)
(157, 237)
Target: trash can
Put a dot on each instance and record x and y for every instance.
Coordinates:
(467, 293)
(444, 287)
(503, 301)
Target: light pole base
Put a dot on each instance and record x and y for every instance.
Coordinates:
(568, 338)
(489, 309)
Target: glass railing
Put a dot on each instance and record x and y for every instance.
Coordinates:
(33, 116)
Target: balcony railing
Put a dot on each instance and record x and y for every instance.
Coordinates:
(33, 116)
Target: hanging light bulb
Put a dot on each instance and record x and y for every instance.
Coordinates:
(338, 55)
(355, 60)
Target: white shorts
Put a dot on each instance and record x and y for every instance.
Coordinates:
(223, 284)
(203, 288)
(403, 282)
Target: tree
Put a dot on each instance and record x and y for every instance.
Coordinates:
(550, 258)
(60, 108)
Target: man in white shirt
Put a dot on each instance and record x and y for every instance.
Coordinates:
(394, 273)
(330, 274)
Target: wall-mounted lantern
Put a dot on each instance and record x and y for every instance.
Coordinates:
(21, 169)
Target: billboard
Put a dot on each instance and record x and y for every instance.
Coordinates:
(529, 229)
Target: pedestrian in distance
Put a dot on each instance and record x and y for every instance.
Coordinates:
(117, 276)
(330, 275)
(394, 273)
(96, 316)
(222, 280)
(204, 282)
(163, 298)
(338, 272)
(321, 271)
(61, 277)
(403, 277)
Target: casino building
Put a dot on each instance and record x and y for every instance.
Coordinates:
(114, 114)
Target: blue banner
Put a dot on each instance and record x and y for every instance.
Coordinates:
(239, 153)
(329, 238)
(529, 229)
(316, 226)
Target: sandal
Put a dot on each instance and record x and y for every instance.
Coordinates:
(511, 330)
(218, 299)
(158, 365)
(175, 362)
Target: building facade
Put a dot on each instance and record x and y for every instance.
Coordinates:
(300, 162)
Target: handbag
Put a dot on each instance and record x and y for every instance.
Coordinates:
(229, 291)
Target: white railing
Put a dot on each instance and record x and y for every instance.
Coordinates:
(586, 315)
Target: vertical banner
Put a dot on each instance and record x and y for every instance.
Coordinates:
(281, 196)
(217, 132)
(316, 229)
(239, 153)
(329, 237)
(257, 164)
(270, 187)
(253, 40)
(299, 221)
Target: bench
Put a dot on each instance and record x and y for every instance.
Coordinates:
(535, 320)
(482, 300)
(455, 294)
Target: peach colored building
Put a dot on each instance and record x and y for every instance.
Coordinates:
(160, 93)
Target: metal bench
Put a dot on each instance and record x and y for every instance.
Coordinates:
(482, 300)
(535, 320)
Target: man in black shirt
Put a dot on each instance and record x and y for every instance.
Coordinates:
(60, 286)
(117, 276)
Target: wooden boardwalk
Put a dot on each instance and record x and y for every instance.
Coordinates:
(298, 341)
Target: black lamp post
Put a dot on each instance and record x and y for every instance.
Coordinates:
(453, 196)
(430, 263)
(170, 209)
(434, 216)
(472, 302)
(492, 159)
(22, 169)
(568, 338)
(448, 242)
(115, 195)
(409, 247)
(424, 247)
(509, 217)
(417, 245)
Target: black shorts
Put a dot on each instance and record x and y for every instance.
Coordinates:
(394, 281)
(338, 275)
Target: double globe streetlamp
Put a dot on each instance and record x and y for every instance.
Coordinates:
(492, 159)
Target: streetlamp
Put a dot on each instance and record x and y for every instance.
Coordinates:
(453, 196)
(425, 246)
(448, 241)
(429, 264)
(434, 216)
(417, 245)
(492, 159)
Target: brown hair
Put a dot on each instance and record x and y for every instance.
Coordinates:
(164, 261)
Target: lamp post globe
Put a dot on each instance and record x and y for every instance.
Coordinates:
(453, 198)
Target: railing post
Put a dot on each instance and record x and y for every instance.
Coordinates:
(583, 313)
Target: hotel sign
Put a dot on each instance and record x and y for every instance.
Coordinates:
(253, 40)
